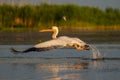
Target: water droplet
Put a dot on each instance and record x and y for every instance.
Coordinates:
(95, 52)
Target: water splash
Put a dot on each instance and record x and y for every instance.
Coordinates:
(95, 53)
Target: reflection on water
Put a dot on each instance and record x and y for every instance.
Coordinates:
(55, 69)
(42, 71)
(72, 69)
(61, 64)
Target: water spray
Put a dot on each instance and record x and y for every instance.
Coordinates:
(96, 55)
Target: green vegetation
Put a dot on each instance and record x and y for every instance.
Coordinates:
(45, 15)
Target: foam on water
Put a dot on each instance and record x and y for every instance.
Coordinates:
(95, 52)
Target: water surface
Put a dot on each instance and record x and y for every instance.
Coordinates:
(60, 64)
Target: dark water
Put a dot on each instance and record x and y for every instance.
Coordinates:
(33, 37)
(60, 64)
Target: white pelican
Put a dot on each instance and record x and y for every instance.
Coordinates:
(55, 43)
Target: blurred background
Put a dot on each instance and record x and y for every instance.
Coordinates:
(91, 20)
(97, 22)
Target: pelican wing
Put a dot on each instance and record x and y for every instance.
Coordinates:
(44, 46)
(60, 42)
(51, 43)
(36, 49)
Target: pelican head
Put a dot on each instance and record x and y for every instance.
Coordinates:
(54, 30)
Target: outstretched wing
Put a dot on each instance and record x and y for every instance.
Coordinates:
(60, 42)
(36, 49)
(44, 46)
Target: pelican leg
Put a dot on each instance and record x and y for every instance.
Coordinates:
(78, 47)
(85, 47)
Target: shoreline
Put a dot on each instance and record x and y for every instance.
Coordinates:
(93, 28)
(82, 28)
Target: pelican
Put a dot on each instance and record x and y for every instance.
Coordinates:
(55, 43)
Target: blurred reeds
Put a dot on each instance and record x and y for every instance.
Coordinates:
(34, 17)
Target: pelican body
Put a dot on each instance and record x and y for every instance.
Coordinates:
(54, 43)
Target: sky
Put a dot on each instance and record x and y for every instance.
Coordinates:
(102, 4)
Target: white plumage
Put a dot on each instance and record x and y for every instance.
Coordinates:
(59, 42)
